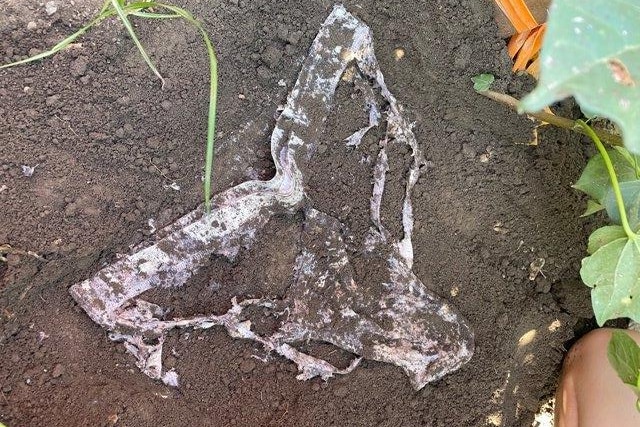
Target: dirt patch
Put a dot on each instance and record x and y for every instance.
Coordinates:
(108, 143)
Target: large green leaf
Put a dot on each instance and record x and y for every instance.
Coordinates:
(591, 51)
(595, 180)
(613, 274)
(631, 196)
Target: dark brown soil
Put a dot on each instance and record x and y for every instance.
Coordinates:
(107, 142)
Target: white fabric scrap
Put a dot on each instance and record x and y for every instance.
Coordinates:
(397, 320)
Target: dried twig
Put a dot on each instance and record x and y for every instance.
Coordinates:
(562, 122)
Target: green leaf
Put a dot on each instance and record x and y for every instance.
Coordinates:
(118, 5)
(603, 236)
(631, 195)
(595, 180)
(482, 82)
(613, 273)
(624, 355)
(63, 44)
(591, 51)
(592, 207)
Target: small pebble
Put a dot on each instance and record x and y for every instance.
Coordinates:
(98, 136)
(32, 26)
(247, 366)
(79, 66)
(52, 100)
(271, 56)
(468, 151)
(70, 210)
(283, 33)
(51, 7)
(264, 73)
(294, 38)
(58, 370)
(153, 142)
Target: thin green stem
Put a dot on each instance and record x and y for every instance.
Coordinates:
(104, 14)
(612, 176)
(211, 123)
(122, 14)
(213, 100)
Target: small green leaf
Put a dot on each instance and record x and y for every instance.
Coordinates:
(591, 51)
(592, 207)
(603, 236)
(631, 196)
(613, 273)
(595, 180)
(482, 82)
(624, 355)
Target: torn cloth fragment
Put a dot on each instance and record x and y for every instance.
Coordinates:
(397, 320)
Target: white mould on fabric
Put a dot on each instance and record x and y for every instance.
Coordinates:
(397, 321)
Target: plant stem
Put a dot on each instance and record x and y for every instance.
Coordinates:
(562, 122)
(122, 14)
(213, 99)
(612, 175)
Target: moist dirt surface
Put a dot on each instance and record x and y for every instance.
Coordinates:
(112, 151)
